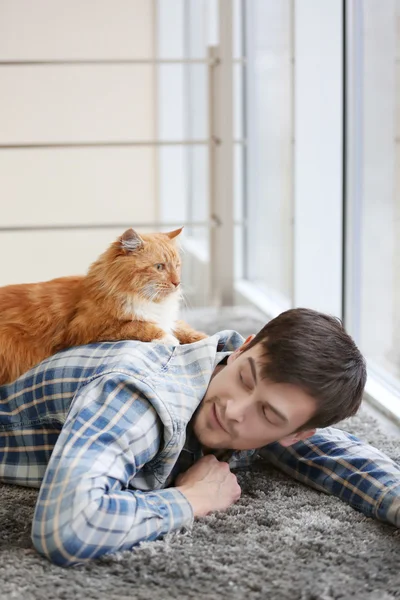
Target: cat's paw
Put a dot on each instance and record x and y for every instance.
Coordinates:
(168, 339)
(196, 336)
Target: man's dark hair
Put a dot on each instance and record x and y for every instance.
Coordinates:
(312, 350)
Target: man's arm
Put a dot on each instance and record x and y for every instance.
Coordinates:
(336, 462)
(84, 508)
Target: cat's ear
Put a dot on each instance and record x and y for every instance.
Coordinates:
(131, 241)
(173, 234)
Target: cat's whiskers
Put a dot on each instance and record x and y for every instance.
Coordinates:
(156, 291)
(180, 294)
(150, 292)
(185, 300)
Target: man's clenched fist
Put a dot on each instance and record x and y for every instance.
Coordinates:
(209, 485)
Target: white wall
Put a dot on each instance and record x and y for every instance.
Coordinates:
(73, 103)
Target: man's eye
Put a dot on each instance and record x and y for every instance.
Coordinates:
(268, 419)
(266, 416)
(242, 381)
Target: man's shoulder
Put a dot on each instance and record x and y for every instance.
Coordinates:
(229, 340)
(101, 357)
(73, 367)
(146, 359)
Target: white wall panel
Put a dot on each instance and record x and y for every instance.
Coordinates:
(76, 186)
(67, 103)
(76, 103)
(75, 29)
(40, 256)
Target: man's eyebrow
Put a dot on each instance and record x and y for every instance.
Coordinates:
(252, 363)
(253, 368)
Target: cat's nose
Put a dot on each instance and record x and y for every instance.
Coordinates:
(175, 283)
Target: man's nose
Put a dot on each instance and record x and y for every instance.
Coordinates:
(236, 410)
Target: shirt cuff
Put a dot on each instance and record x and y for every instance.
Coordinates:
(388, 505)
(174, 507)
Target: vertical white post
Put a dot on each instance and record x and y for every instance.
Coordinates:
(354, 111)
(221, 161)
(318, 155)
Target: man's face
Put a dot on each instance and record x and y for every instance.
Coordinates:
(241, 411)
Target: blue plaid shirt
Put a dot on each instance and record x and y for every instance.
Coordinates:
(104, 429)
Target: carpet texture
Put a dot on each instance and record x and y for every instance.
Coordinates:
(281, 541)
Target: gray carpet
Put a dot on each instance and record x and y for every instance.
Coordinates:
(280, 541)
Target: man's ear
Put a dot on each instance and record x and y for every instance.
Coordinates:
(247, 341)
(236, 353)
(296, 437)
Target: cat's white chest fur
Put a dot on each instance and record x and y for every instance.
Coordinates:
(164, 314)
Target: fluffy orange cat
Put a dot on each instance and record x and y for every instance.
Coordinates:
(132, 291)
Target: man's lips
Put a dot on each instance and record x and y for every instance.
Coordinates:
(216, 417)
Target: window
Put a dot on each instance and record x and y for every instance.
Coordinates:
(373, 190)
(293, 167)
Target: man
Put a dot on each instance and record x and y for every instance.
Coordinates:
(111, 427)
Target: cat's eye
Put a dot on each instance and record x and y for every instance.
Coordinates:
(160, 266)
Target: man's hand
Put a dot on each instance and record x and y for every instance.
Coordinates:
(209, 485)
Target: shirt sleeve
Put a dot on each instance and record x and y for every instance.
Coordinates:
(85, 508)
(336, 462)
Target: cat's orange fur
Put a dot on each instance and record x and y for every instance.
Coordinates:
(130, 292)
